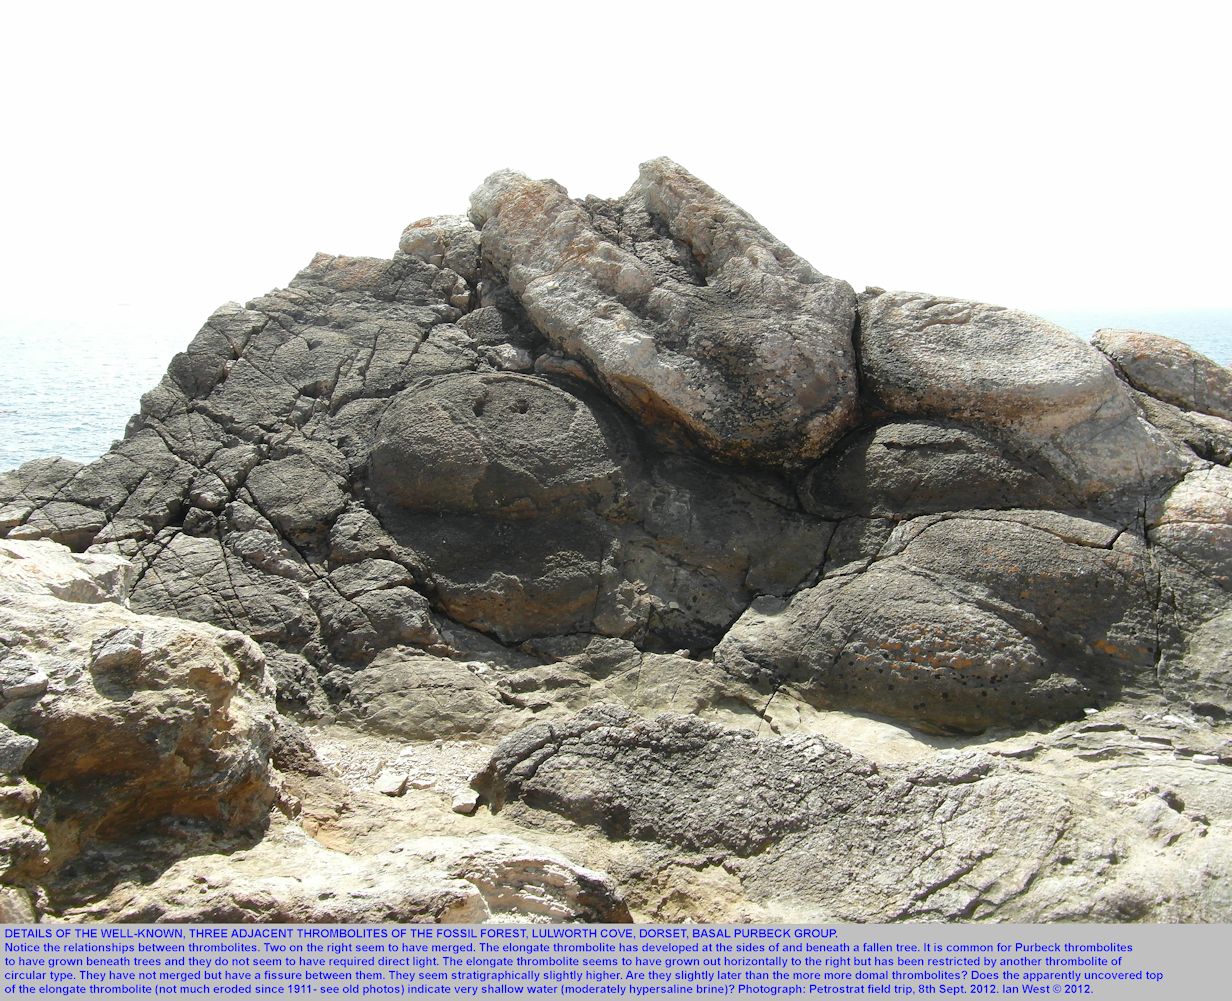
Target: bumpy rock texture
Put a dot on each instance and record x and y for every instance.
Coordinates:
(810, 830)
(562, 464)
(118, 725)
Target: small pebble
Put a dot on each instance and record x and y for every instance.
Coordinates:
(391, 783)
(34, 684)
(465, 801)
(1102, 727)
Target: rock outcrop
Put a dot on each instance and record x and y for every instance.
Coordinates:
(290, 878)
(688, 313)
(1055, 399)
(965, 620)
(563, 464)
(818, 832)
(1169, 370)
(116, 725)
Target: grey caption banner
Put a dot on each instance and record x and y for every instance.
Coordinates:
(627, 961)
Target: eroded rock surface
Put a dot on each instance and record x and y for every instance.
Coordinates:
(904, 469)
(1057, 398)
(675, 780)
(290, 878)
(419, 697)
(120, 724)
(1169, 370)
(955, 836)
(686, 310)
(966, 620)
(645, 418)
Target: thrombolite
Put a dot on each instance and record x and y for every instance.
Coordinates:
(618, 458)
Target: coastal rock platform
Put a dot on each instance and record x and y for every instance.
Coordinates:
(602, 559)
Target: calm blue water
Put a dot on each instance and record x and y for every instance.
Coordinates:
(1208, 330)
(68, 387)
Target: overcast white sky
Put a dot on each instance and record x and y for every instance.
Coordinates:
(1037, 155)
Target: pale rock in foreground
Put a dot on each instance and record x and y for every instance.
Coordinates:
(290, 878)
(140, 721)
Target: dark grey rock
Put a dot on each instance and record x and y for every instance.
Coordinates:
(855, 544)
(353, 579)
(296, 683)
(202, 579)
(504, 445)
(676, 779)
(300, 498)
(30, 487)
(513, 579)
(588, 452)
(1202, 678)
(920, 467)
(966, 621)
(1192, 522)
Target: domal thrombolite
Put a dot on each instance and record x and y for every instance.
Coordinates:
(499, 483)
(1052, 396)
(967, 620)
(537, 513)
(504, 445)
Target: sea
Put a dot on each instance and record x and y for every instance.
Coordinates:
(68, 385)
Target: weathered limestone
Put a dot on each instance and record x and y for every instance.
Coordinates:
(963, 621)
(910, 468)
(507, 446)
(125, 722)
(699, 319)
(1169, 370)
(955, 836)
(639, 418)
(1193, 522)
(417, 697)
(289, 878)
(448, 241)
(389, 449)
(986, 366)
